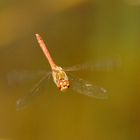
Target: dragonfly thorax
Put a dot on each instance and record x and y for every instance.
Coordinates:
(60, 78)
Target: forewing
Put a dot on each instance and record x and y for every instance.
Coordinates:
(33, 93)
(86, 88)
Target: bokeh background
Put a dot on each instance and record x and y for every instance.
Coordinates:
(76, 31)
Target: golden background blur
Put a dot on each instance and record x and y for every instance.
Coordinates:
(76, 31)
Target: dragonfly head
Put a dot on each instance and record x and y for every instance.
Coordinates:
(63, 84)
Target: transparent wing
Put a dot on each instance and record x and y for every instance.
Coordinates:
(86, 88)
(34, 92)
(21, 77)
(102, 65)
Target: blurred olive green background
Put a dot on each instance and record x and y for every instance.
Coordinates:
(76, 31)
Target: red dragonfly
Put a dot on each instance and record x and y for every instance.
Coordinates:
(62, 81)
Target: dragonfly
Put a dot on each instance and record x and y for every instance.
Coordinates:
(62, 80)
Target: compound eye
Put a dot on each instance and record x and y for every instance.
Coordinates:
(63, 85)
